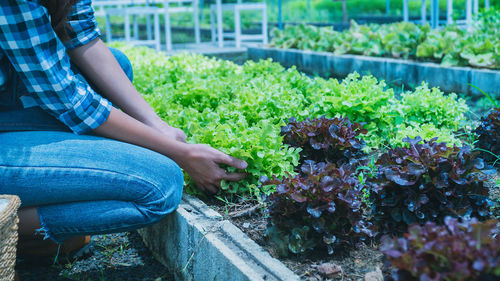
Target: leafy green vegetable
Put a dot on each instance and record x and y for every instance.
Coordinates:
(426, 182)
(322, 208)
(240, 109)
(426, 105)
(363, 100)
(334, 140)
(478, 46)
(467, 250)
(425, 131)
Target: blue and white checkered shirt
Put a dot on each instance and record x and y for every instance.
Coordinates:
(33, 49)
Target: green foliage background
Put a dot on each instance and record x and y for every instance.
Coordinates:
(478, 46)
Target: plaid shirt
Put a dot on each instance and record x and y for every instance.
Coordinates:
(35, 52)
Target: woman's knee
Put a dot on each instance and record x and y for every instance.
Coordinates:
(156, 180)
(173, 186)
(166, 193)
(124, 62)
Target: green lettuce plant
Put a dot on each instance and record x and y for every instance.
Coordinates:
(240, 109)
(430, 106)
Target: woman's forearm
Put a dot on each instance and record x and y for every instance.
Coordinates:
(120, 126)
(100, 66)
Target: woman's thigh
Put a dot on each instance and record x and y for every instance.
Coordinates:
(13, 117)
(44, 168)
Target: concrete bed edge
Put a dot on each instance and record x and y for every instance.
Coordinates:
(407, 72)
(196, 243)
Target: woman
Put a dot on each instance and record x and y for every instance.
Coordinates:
(58, 82)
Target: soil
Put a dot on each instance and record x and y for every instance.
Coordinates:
(495, 194)
(120, 256)
(249, 217)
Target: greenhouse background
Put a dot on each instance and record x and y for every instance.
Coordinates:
(279, 13)
(369, 134)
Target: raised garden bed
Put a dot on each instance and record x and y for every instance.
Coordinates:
(394, 71)
(354, 147)
(208, 246)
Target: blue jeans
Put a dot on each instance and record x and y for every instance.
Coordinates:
(13, 117)
(84, 184)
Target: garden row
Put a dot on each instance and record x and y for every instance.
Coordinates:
(464, 80)
(240, 109)
(478, 46)
(352, 163)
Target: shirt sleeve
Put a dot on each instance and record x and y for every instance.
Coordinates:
(83, 25)
(40, 59)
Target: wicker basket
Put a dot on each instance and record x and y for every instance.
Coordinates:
(8, 235)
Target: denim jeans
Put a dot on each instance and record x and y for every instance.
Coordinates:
(83, 184)
(13, 117)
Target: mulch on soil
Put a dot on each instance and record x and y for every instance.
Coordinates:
(120, 256)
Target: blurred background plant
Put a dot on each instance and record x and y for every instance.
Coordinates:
(320, 12)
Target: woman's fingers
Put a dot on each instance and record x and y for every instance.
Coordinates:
(231, 161)
(215, 184)
(202, 165)
(214, 187)
(210, 188)
(235, 176)
(181, 136)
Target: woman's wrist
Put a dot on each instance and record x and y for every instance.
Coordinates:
(179, 152)
(162, 127)
(152, 120)
(123, 127)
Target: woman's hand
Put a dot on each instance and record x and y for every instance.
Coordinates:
(200, 161)
(202, 165)
(169, 131)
